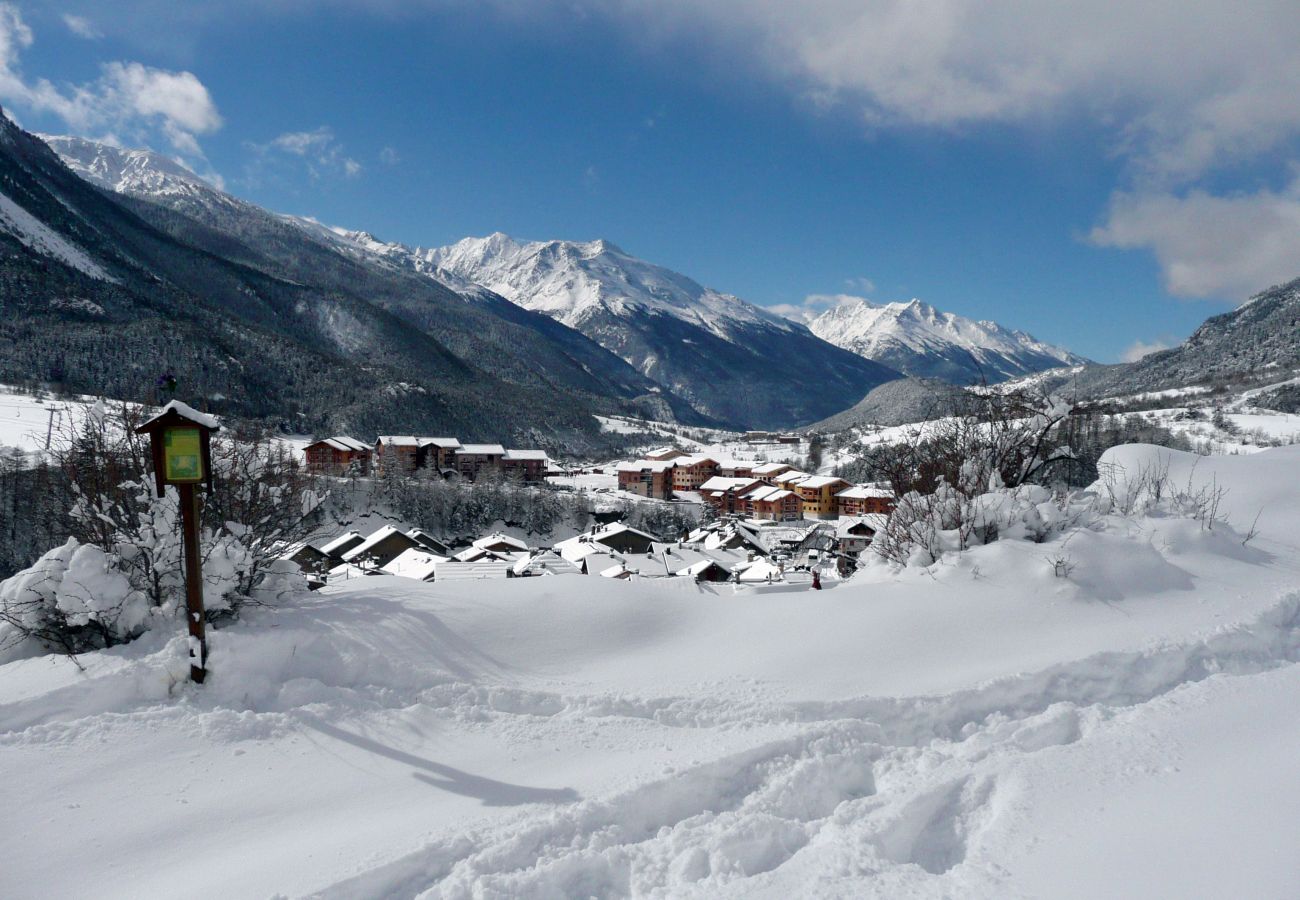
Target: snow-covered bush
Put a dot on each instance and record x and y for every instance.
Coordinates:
(122, 569)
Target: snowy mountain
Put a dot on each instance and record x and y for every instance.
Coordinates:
(486, 331)
(922, 341)
(731, 359)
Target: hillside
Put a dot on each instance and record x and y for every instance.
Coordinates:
(898, 403)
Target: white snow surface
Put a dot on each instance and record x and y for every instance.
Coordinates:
(983, 729)
(37, 236)
(871, 329)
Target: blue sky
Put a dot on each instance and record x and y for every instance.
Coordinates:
(1063, 174)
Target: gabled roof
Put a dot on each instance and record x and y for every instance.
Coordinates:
(481, 450)
(398, 440)
(546, 563)
(768, 494)
(341, 442)
(415, 562)
(772, 468)
(496, 538)
(342, 542)
(373, 541)
(696, 459)
(185, 411)
(443, 443)
(792, 475)
(874, 521)
(816, 482)
(453, 570)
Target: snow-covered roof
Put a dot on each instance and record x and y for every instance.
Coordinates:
(481, 450)
(644, 465)
(342, 442)
(454, 570)
(816, 482)
(768, 494)
(865, 492)
(772, 468)
(414, 563)
(725, 483)
(792, 475)
(341, 541)
(521, 455)
(443, 443)
(546, 563)
(497, 538)
(874, 521)
(398, 440)
(760, 571)
(695, 460)
(185, 411)
(370, 542)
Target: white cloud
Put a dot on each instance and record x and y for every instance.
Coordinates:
(389, 157)
(82, 27)
(319, 149)
(1139, 349)
(814, 305)
(1182, 86)
(1210, 246)
(129, 101)
(861, 283)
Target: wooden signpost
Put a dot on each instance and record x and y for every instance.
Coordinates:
(180, 438)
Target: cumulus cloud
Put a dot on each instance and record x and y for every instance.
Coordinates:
(82, 27)
(1183, 87)
(1210, 246)
(814, 305)
(1139, 349)
(319, 150)
(129, 100)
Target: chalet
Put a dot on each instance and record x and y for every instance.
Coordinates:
(438, 453)
(527, 465)
(473, 570)
(313, 563)
(767, 472)
(472, 460)
(855, 535)
(647, 477)
(663, 454)
(380, 548)
(863, 499)
(690, 472)
(818, 495)
(338, 456)
(618, 538)
(673, 560)
(774, 504)
(341, 545)
(397, 454)
(724, 494)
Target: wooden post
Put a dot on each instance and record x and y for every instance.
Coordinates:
(194, 614)
(180, 440)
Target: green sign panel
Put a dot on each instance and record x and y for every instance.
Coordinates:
(182, 456)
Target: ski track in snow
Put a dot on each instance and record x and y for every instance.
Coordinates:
(910, 784)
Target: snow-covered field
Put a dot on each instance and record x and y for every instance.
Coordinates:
(984, 729)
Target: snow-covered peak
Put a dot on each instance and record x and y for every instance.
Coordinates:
(574, 281)
(138, 172)
(893, 332)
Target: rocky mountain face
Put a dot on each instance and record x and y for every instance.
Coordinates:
(732, 360)
(1259, 340)
(919, 340)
